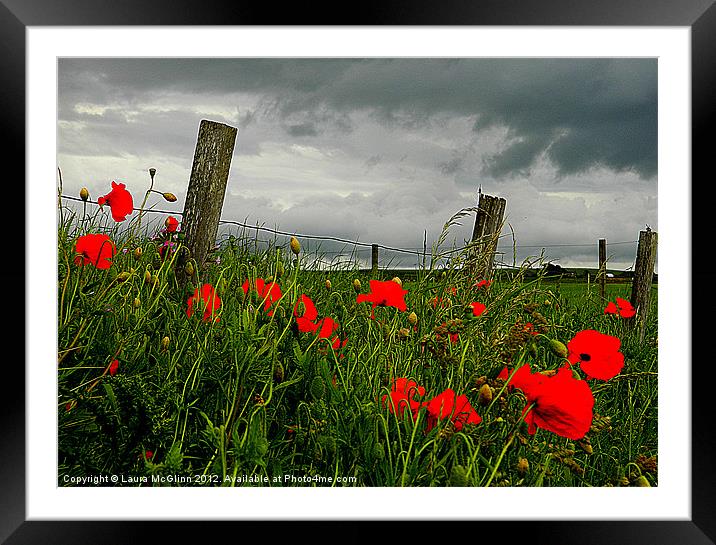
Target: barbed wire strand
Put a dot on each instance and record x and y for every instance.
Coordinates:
(415, 251)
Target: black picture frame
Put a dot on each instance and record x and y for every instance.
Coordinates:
(699, 15)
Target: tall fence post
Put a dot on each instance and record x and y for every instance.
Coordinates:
(374, 260)
(485, 235)
(643, 276)
(207, 187)
(602, 268)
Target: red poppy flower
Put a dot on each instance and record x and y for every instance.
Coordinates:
(119, 200)
(269, 293)
(325, 328)
(523, 378)
(306, 314)
(212, 302)
(149, 455)
(622, 307)
(598, 354)
(113, 367)
(96, 249)
(562, 403)
(401, 395)
(477, 308)
(530, 328)
(171, 224)
(456, 407)
(483, 284)
(387, 294)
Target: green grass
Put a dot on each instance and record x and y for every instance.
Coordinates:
(250, 396)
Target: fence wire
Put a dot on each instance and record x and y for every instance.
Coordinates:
(368, 246)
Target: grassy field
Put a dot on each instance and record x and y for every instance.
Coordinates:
(252, 396)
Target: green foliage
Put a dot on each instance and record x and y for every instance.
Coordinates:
(249, 395)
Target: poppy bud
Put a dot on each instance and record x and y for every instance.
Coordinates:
(278, 373)
(165, 343)
(295, 246)
(403, 333)
(137, 253)
(397, 280)
(328, 284)
(538, 317)
(378, 451)
(624, 481)
(317, 388)
(84, 194)
(152, 172)
(522, 466)
(170, 197)
(413, 318)
(356, 284)
(124, 275)
(189, 268)
(136, 303)
(147, 277)
(558, 348)
(484, 397)
(642, 481)
(585, 445)
(458, 476)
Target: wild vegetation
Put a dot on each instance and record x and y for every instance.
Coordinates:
(257, 369)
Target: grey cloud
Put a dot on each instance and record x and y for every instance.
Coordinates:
(587, 112)
(517, 158)
(302, 129)
(372, 161)
(451, 166)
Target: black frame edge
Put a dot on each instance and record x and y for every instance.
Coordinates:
(700, 530)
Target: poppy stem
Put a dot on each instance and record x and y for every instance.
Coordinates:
(512, 435)
(146, 196)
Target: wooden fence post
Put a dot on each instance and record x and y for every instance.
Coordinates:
(374, 260)
(207, 186)
(643, 275)
(485, 235)
(602, 267)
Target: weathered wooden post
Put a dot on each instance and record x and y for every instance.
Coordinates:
(486, 235)
(374, 260)
(205, 195)
(602, 267)
(643, 275)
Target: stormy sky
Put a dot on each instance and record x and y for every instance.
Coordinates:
(383, 150)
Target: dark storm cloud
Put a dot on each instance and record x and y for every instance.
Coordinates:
(578, 113)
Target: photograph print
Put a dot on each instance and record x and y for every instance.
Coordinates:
(357, 272)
